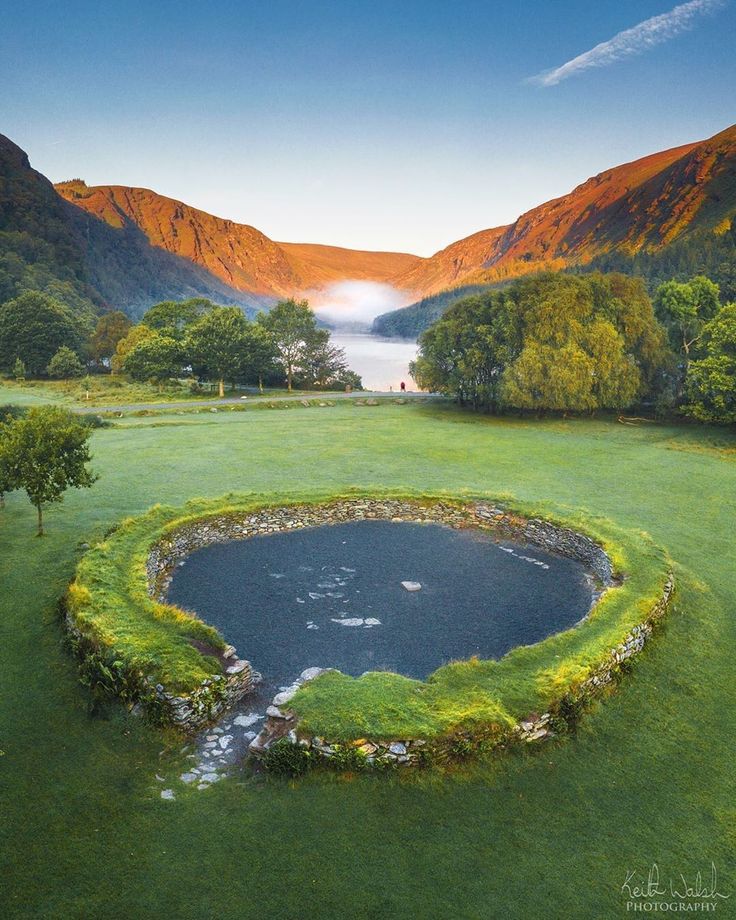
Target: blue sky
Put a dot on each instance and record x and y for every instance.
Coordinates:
(402, 125)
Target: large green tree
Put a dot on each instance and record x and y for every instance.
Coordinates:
(155, 359)
(293, 328)
(46, 452)
(217, 344)
(551, 342)
(33, 327)
(711, 381)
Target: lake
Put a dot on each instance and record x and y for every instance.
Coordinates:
(382, 363)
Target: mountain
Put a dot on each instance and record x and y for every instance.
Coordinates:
(48, 244)
(239, 255)
(639, 207)
(318, 265)
(38, 250)
(114, 246)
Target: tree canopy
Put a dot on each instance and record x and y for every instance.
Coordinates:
(711, 381)
(32, 328)
(172, 317)
(293, 327)
(217, 343)
(550, 342)
(109, 330)
(155, 358)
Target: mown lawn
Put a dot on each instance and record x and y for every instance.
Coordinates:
(649, 777)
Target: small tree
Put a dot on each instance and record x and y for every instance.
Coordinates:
(125, 345)
(45, 453)
(65, 364)
(323, 364)
(19, 370)
(155, 359)
(292, 326)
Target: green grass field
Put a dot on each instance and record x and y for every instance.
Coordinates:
(552, 833)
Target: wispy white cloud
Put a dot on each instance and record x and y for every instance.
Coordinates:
(636, 40)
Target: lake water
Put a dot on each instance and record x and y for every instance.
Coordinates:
(382, 363)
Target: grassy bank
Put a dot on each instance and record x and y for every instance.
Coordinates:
(109, 604)
(648, 777)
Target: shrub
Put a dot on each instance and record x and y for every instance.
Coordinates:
(65, 364)
(287, 758)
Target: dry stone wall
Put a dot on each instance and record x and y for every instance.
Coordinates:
(217, 694)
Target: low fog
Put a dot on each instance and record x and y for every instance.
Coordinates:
(353, 305)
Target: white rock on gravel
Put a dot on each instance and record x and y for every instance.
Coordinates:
(245, 721)
(411, 585)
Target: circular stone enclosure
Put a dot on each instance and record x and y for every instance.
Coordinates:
(500, 630)
(378, 595)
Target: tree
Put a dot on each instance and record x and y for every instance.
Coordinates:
(550, 342)
(33, 327)
(173, 317)
(7, 471)
(110, 329)
(323, 364)
(292, 326)
(45, 452)
(217, 343)
(19, 369)
(259, 355)
(156, 358)
(711, 382)
(125, 345)
(684, 308)
(65, 364)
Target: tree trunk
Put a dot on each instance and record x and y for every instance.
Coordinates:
(288, 378)
(40, 521)
(222, 387)
(260, 383)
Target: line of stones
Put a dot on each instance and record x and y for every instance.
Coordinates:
(219, 692)
(282, 722)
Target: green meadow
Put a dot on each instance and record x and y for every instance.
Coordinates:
(648, 777)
